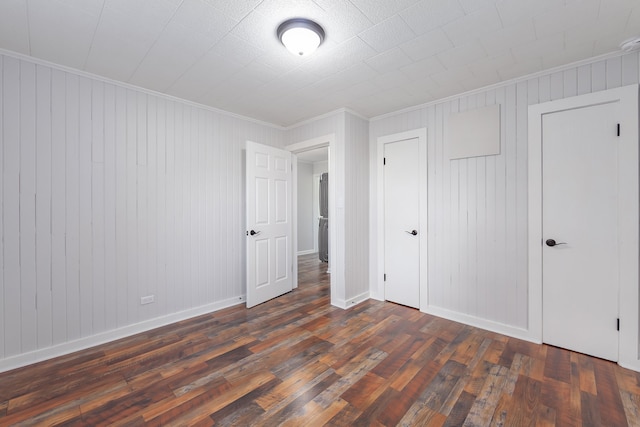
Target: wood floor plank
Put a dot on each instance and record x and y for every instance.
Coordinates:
(558, 365)
(292, 385)
(350, 377)
(173, 406)
(557, 395)
(316, 415)
(483, 408)
(460, 410)
(364, 392)
(458, 388)
(289, 408)
(609, 401)
(524, 403)
(297, 360)
(590, 415)
(631, 404)
(587, 376)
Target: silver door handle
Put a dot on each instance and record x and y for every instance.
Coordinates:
(412, 232)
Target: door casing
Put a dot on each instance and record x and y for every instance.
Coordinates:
(628, 351)
(336, 239)
(421, 135)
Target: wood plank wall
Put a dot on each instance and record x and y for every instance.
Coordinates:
(357, 212)
(109, 194)
(478, 206)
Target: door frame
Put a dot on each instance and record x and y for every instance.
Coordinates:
(421, 135)
(316, 212)
(335, 263)
(628, 214)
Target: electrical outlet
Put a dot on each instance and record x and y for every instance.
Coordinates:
(147, 300)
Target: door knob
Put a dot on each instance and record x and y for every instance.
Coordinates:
(412, 232)
(552, 243)
(254, 233)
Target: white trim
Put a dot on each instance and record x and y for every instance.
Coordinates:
(628, 213)
(342, 110)
(501, 84)
(311, 144)
(378, 233)
(316, 212)
(336, 263)
(478, 322)
(81, 73)
(294, 220)
(307, 252)
(40, 355)
(351, 302)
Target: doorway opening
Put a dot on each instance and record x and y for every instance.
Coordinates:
(313, 217)
(315, 155)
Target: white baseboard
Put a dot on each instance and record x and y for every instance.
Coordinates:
(40, 355)
(632, 365)
(351, 302)
(376, 296)
(307, 252)
(488, 325)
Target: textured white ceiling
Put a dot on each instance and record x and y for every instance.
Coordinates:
(378, 56)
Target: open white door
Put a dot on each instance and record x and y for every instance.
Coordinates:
(269, 223)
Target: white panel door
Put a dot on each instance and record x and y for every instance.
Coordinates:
(269, 223)
(580, 230)
(401, 222)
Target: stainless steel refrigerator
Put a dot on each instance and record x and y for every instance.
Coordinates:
(323, 227)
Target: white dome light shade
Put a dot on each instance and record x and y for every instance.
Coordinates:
(300, 36)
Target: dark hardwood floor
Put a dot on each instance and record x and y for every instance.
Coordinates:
(297, 361)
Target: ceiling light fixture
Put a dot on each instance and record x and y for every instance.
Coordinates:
(300, 36)
(631, 44)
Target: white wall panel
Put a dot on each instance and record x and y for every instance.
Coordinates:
(2, 288)
(28, 326)
(2, 306)
(110, 206)
(72, 214)
(478, 207)
(120, 164)
(11, 205)
(307, 223)
(356, 207)
(109, 194)
(43, 206)
(85, 236)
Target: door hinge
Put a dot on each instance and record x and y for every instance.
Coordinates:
(385, 277)
(618, 129)
(384, 161)
(617, 324)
